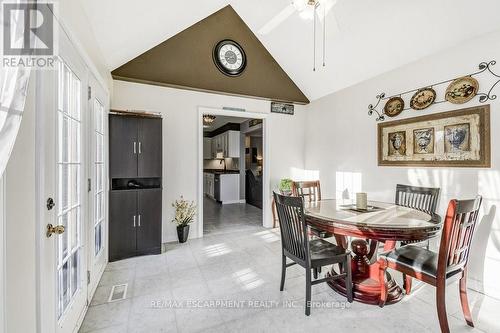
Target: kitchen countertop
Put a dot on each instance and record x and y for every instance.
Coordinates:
(221, 172)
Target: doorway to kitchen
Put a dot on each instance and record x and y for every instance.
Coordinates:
(233, 168)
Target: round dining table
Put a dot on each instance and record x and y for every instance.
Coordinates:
(367, 229)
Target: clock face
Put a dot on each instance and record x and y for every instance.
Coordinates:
(229, 57)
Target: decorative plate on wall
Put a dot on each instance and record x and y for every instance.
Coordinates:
(462, 90)
(394, 106)
(423, 98)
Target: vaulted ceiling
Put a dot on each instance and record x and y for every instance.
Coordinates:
(364, 38)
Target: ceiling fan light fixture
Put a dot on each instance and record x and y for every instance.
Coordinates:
(208, 120)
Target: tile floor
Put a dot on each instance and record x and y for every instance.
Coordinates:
(220, 219)
(183, 290)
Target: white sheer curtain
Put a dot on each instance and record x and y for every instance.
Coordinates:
(13, 90)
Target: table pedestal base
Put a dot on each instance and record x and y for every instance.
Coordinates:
(367, 289)
(365, 277)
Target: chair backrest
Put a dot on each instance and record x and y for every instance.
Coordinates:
(458, 230)
(309, 190)
(424, 199)
(293, 228)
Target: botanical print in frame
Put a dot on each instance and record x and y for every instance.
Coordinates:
(459, 138)
(397, 144)
(423, 141)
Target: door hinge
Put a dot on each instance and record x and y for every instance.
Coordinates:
(88, 277)
(90, 92)
(89, 185)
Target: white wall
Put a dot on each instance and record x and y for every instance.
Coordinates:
(180, 137)
(341, 137)
(75, 23)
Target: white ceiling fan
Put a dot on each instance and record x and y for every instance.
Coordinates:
(308, 10)
(305, 9)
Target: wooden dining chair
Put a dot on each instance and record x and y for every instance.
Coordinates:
(435, 268)
(310, 254)
(311, 191)
(424, 199)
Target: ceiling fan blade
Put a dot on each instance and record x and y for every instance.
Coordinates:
(277, 20)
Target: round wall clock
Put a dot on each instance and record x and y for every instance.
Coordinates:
(229, 57)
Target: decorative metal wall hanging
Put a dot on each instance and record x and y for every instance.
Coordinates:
(282, 108)
(452, 95)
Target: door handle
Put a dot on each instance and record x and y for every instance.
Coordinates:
(135, 147)
(58, 229)
(134, 221)
(139, 220)
(140, 149)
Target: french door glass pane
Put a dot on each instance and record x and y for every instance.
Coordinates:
(68, 186)
(98, 176)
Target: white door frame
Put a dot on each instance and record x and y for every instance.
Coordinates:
(266, 183)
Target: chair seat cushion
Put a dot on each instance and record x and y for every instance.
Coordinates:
(417, 259)
(324, 253)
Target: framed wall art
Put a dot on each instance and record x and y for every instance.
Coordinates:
(459, 138)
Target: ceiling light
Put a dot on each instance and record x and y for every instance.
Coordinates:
(208, 120)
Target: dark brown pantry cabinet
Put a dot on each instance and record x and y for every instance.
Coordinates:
(135, 147)
(135, 224)
(135, 200)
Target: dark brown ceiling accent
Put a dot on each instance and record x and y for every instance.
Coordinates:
(185, 61)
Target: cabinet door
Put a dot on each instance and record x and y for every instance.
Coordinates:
(122, 146)
(150, 148)
(214, 148)
(149, 221)
(207, 148)
(122, 224)
(233, 144)
(225, 144)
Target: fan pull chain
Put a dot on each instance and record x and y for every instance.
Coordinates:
(314, 37)
(324, 34)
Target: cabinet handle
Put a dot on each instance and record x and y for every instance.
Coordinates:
(135, 147)
(139, 220)
(140, 149)
(134, 221)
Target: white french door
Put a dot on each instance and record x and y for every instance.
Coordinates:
(61, 94)
(98, 187)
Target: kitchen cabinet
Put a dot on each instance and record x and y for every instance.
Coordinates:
(207, 148)
(208, 184)
(222, 187)
(135, 147)
(136, 223)
(228, 143)
(227, 190)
